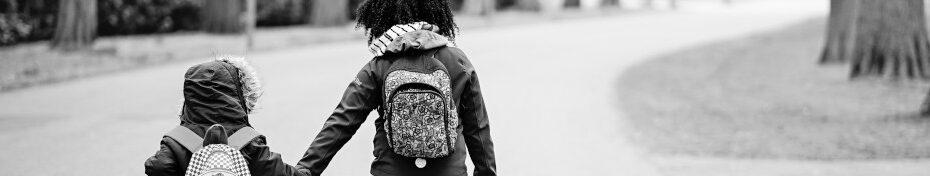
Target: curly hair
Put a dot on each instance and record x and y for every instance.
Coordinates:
(377, 16)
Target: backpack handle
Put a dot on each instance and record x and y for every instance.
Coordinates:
(216, 134)
(194, 142)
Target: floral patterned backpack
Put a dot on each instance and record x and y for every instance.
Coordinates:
(420, 115)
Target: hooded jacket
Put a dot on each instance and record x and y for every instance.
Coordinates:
(364, 95)
(218, 92)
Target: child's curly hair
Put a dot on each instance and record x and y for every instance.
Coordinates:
(377, 16)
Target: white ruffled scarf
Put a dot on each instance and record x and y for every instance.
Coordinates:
(402, 37)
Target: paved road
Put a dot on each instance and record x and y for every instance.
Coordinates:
(548, 87)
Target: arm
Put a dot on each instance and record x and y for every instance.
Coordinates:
(476, 130)
(163, 163)
(263, 162)
(359, 99)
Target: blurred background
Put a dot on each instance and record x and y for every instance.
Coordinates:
(573, 87)
(119, 34)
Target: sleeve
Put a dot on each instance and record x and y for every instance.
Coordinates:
(263, 162)
(476, 130)
(359, 99)
(163, 163)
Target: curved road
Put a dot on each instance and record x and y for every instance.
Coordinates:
(548, 87)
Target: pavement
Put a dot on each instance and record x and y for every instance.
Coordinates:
(549, 89)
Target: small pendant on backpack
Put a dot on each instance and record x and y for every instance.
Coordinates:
(420, 162)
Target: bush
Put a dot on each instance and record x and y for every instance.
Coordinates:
(32, 20)
(282, 12)
(124, 17)
(12, 29)
(26, 20)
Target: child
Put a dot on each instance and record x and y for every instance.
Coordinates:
(411, 38)
(222, 91)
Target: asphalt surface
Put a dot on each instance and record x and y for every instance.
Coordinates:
(549, 89)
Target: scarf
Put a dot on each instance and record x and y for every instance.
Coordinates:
(402, 37)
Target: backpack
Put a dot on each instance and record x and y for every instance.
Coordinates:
(215, 154)
(420, 115)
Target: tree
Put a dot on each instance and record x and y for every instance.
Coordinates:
(329, 12)
(649, 4)
(479, 7)
(840, 31)
(528, 4)
(223, 16)
(250, 20)
(925, 107)
(551, 5)
(891, 40)
(76, 26)
(612, 3)
(541, 5)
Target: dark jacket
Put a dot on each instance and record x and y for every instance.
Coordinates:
(364, 95)
(213, 95)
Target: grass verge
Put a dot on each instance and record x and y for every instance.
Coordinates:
(765, 96)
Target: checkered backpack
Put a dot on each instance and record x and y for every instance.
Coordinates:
(215, 154)
(420, 116)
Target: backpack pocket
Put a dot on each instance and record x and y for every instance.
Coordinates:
(418, 123)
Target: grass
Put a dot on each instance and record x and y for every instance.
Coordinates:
(765, 96)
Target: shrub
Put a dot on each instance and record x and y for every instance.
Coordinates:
(32, 20)
(26, 20)
(124, 17)
(282, 12)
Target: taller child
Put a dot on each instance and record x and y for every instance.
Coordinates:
(426, 93)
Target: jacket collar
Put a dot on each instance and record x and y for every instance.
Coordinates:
(405, 37)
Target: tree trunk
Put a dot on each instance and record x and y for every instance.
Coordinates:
(611, 3)
(251, 18)
(479, 7)
(841, 30)
(329, 12)
(223, 16)
(648, 4)
(76, 27)
(891, 40)
(528, 4)
(925, 107)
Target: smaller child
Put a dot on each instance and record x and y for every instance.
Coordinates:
(223, 92)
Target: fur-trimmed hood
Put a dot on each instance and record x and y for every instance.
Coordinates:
(222, 91)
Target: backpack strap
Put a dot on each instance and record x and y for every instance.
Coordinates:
(186, 138)
(432, 55)
(242, 137)
(194, 143)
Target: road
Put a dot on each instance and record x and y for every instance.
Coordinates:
(549, 89)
